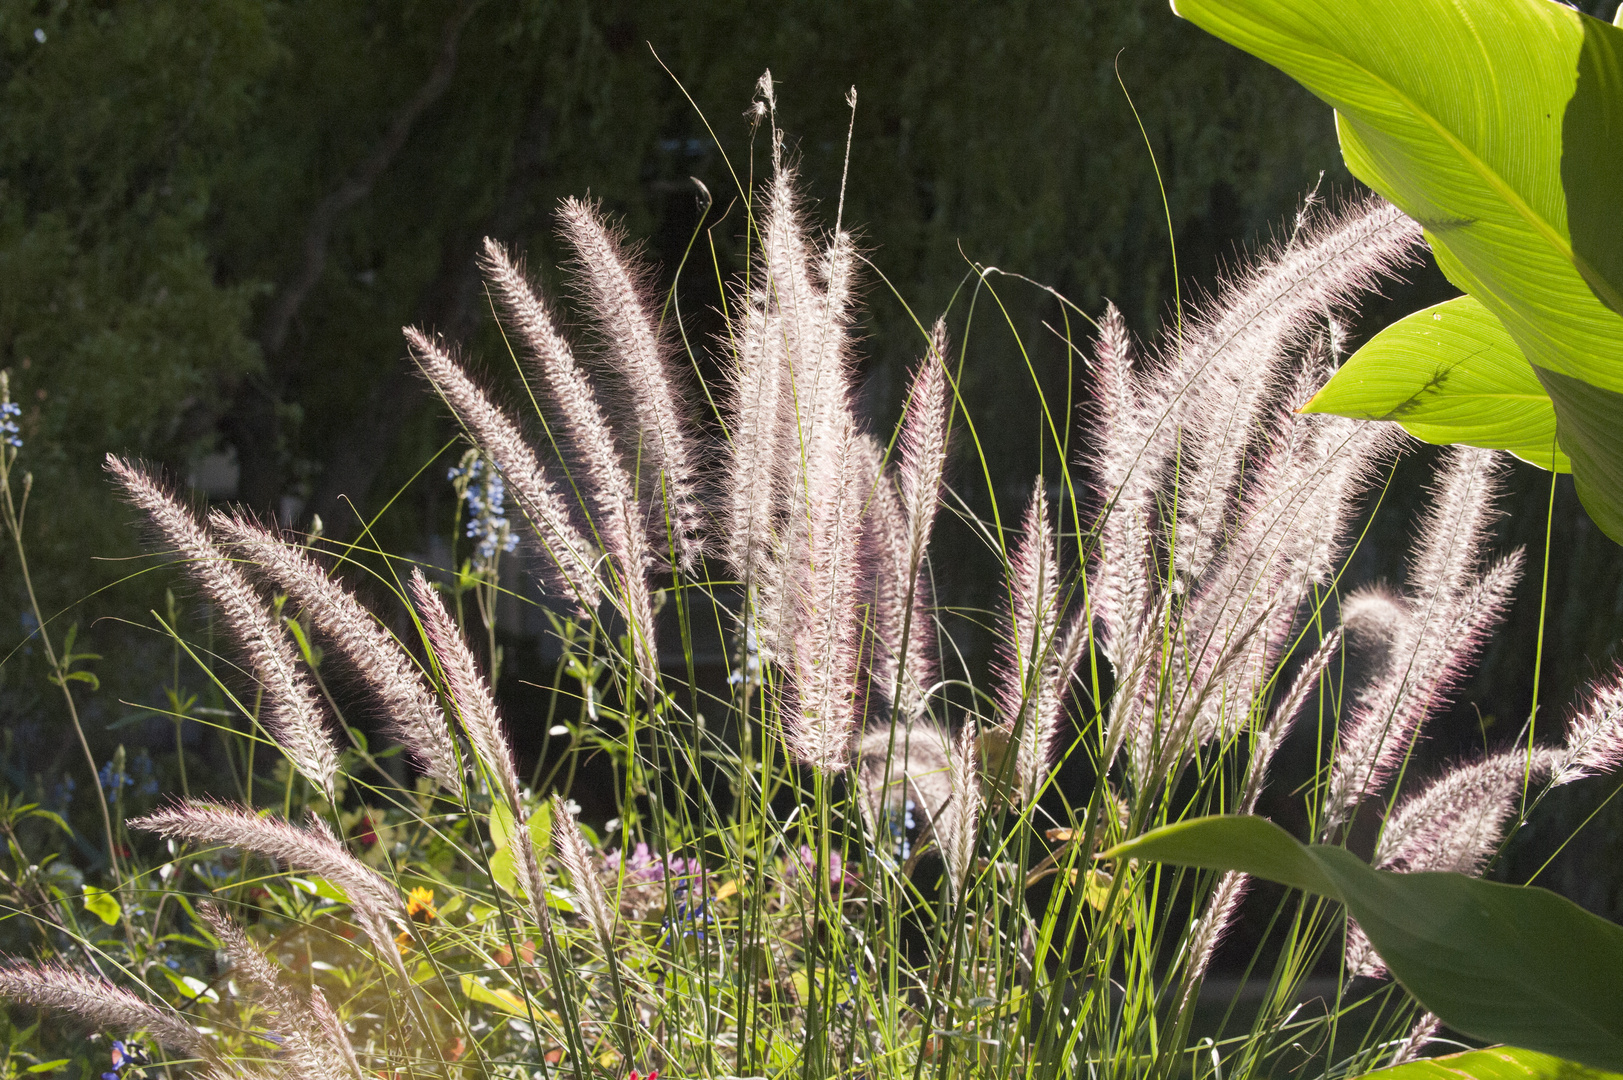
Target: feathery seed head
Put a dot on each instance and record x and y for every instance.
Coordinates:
(635, 351)
(1029, 702)
(957, 825)
(822, 722)
(469, 691)
(617, 512)
(313, 1040)
(1594, 740)
(100, 1004)
(411, 713)
(1449, 610)
(1455, 822)
(570, 564)
(576, 855)
(902, 768)
(292, 712)
(312, 849)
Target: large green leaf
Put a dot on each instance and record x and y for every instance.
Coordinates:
(1449, 374)
(1496, 124)
(1503, 963)
(1496, 1063)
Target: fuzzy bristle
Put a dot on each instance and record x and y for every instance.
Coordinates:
(1028, 706)
(469, 692)
(822, 721)
(100, 1004)
(293, 713)
(634, 349)
(576, 855)
(923, 442)
(313, 1040)
(314, 850)
(957, 825)
(570, 563)
(411, 714)
(618, 513)
(1450, 609)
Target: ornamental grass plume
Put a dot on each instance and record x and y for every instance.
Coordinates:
(633, 348)
(475, 705)
(576, 856)
(102, 1005)
(469, 692)
(903, 770)
(1230, 571)
(618, 515)
(1450, 608)
(293, 712)
(909, 636)
(313, 849)
(569, 564)
(409, 710)
(313, 1039)
(956, 825)
(1028, 706)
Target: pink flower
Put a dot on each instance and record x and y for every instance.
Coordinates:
(838, 876)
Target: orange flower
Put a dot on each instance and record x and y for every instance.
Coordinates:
(420, 905)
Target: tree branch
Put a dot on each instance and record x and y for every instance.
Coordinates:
(356, 186)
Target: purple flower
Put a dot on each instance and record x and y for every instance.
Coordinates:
(838, 876)
(644, 867)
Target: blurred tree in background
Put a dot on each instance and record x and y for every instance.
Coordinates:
(216, 214)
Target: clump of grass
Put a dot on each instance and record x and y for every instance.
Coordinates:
(886, 878)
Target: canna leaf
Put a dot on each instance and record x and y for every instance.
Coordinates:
(1502, 963)
(1496, 125)
(1495, 1063)
(102, 904)
(1449, 374)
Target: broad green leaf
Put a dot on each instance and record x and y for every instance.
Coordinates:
(503, 866)
(1495, 1063)
(1496, 125)
(48, 1066)
(504, 870)
(102, 904)
(1449, 374)
(505, 1000)
(193, 988)
(1503, 963)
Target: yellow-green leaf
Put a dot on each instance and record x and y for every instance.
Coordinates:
(1449, 374)
(102, 904)
(1495, 1063)
(1496, 124)
(505, 1000)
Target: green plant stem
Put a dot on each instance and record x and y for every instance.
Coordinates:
(14, 525)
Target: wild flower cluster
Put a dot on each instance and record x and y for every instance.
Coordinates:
(485, 495)
(869, 868)
(11, 436)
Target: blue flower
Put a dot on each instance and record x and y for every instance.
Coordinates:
(10, 433)
(125, 1056)
(112, 780)
(485, 493)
